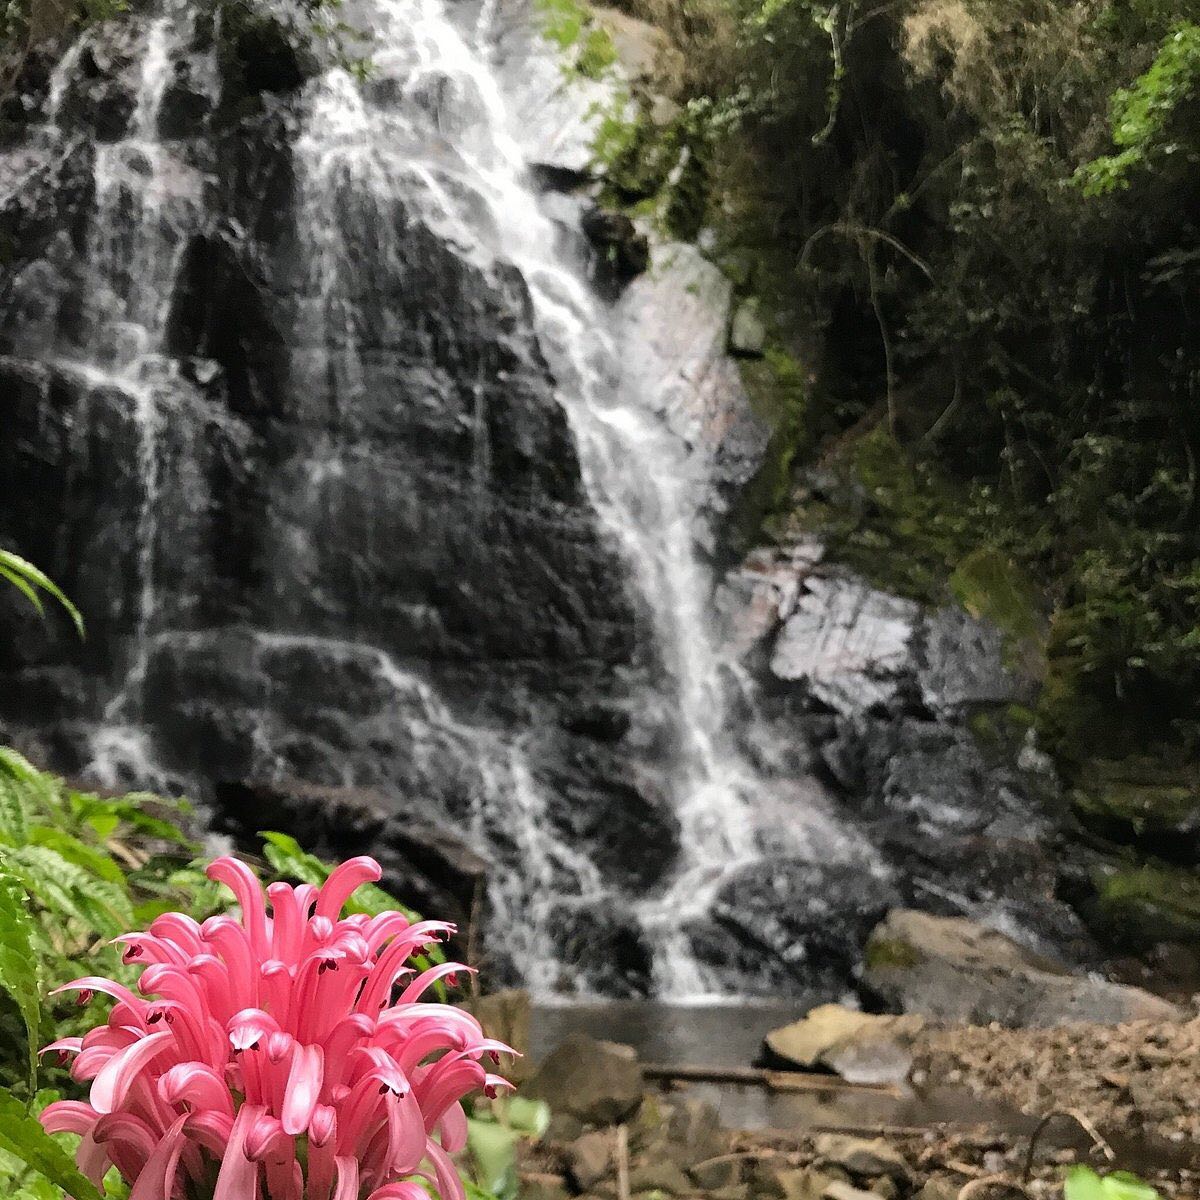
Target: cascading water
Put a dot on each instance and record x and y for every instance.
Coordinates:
(414, 180)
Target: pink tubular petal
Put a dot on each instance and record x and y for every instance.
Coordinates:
(92, 1159)
(448, 1181)
(117, 1075)
(347, 1179)
(210, 1131)
(322, 1127)
(94, 983)
(303, 1088)
(453, 1127)
(68, 1116)
(71, 1045)
(406, 1134)
(156, 1181)
(198, 1086)
(244, 884)
(399, 1191)
(427, 979)
(238, 1179)
(288, 924)
(342, 881)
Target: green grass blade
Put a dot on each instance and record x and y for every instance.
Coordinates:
(33, 577)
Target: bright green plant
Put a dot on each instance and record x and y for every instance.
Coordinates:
(494, 1134)
(1142, 112)
(30, 581)
(1084, 1184)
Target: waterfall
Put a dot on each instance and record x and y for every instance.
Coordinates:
(415, 179)
(642, 479)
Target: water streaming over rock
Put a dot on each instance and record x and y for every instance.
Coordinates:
(363, 479)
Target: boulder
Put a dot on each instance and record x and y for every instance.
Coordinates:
(680, 311)
(787, 921)
(593, 1081)
(848, 644)
(858, 1046)
(862, 1157)
(953, 969)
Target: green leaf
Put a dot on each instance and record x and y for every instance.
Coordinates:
(19, 960)
(526, 1116)
(25, 588)
(287, 856)
(493, 1150)
(80, 853)
(14, 816)
(13, 565)
(1082, 1183)
(22, 1136)
(96, 904)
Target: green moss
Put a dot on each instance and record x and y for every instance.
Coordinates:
(889, 952)
(562, 21)
(1138, 797)
(1001, 729)
(596, 54)
(1141, 906)
(777, 387)
(990, 586)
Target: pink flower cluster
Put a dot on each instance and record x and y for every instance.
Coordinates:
(269, 1057)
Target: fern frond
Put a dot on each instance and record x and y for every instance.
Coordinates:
(28, 580)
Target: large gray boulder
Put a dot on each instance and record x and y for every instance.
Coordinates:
(953, 969)
(596, 1082)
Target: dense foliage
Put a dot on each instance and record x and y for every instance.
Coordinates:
(76, 870)
(974, 223)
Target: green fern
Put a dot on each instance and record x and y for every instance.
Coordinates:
(19, 960)
(30, 581)
(22, 1137)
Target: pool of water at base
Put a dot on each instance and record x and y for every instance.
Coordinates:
(731, 1035)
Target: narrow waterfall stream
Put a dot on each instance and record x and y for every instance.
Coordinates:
(422, 165)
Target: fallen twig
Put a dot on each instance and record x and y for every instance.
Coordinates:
(1082, 1120)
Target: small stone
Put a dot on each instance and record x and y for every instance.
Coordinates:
(695, 1128)
(717, 1173)
(590, 1158)
(660, 1176)
(885, 1186)
(737, 1191)
(837, 1190)
(862, 1157)
(938, 1189)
